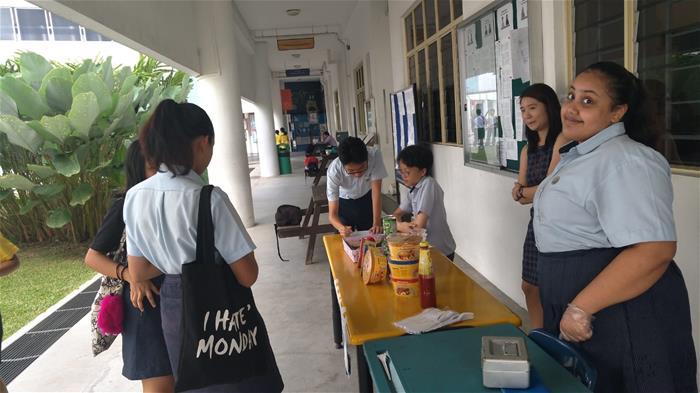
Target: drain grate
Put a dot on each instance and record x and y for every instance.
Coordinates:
(27, 348)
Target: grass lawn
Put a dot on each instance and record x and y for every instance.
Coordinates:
(47, 273)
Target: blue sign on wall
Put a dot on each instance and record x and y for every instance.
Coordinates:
(298, 72)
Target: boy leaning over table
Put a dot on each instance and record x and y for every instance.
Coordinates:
(8, 264)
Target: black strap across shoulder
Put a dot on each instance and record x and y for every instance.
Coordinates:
(205, 227)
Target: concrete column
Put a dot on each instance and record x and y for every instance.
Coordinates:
(220, 96)
(263, 114)
(277, 104)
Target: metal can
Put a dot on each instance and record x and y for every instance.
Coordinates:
(389, 225)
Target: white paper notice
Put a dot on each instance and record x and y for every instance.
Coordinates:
(511, 149)
(522, 13)
(505, 64)
(505, 18)
(518, 119)
(504, 111)
(410, 111)
(488, 31)
(521, 54)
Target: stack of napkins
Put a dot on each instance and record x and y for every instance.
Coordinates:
(431, 319)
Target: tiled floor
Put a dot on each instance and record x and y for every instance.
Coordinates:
(293, 298)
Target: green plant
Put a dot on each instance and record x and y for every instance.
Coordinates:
(63, 135)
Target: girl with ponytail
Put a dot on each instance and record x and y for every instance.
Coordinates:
(161, 217)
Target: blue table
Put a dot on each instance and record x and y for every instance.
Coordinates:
(450, 361)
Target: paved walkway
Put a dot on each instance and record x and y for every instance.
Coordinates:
(293, 298)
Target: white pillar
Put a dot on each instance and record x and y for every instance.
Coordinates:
(267, 149)
(277, 104)
(220, 96)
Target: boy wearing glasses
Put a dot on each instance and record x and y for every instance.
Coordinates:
(425, 200)
(354, 188)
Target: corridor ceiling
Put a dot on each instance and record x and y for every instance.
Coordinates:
(268, 18)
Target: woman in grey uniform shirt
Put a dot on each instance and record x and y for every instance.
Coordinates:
(606, 235)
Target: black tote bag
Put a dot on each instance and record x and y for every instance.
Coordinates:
(224, 339)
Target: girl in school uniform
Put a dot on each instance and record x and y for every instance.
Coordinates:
(606, 235)
(426, 200)
(143, 346)
(161, 223)
(539, 106)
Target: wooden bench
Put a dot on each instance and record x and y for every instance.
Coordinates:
(318, 206)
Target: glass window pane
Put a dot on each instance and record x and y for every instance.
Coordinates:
(93, 36)
(7, 32)
(668, 59)
(430, 17)
(64, 30)
(443, 12)
(422, 107)
(434, 101)
(412, 69)
(685, 49)
(610, 9)
(418, 18)
(32, 25)
(585, 13)
(610, 34)
(409, 32)
(652, 52)
(599, 31)
(652, 20)
(449, 87)
(457, 7)
(684, 13)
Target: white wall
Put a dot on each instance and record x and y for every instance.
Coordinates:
(246, 72)
(368, 33)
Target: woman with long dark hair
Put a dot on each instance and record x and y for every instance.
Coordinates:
(540, 109)
(605, 231)
(143, 347)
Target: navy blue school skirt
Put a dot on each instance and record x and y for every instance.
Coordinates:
(171, 315)
(642, 345)
(356, 213)
(143, 346)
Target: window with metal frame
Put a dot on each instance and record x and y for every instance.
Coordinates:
(431, 58)
(668, 63)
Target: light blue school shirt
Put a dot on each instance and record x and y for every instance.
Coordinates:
(608, 191)
(427, 197)
(341, 185)
(161, 214)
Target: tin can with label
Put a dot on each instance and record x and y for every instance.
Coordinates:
(389, 225)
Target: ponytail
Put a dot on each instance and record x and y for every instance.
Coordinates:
(166, 137)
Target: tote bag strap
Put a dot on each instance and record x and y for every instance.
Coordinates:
(205, 227)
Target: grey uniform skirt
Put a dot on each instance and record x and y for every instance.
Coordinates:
(171, 315)
(642, 345)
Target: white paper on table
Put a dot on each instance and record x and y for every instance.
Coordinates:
(521, 6)
(518, 119)
(505, 18)
(431, 319)
(521, 54)
(511, 149)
